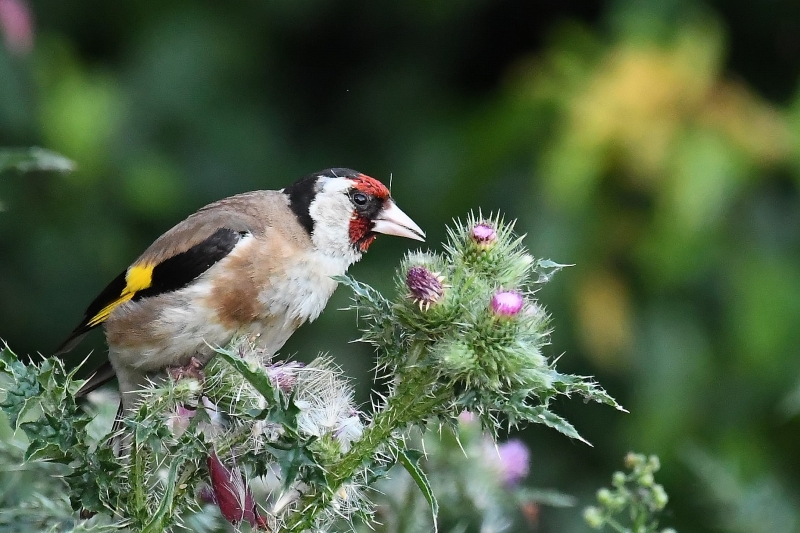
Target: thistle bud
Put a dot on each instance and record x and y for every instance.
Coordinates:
(507, 303)
(231, 492)
(426, 287)
(605, 497)
(483, 235)
(16, 25)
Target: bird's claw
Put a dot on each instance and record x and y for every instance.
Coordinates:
(193, 370)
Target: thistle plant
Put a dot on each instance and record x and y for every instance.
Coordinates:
(633, 503)
(280, 446)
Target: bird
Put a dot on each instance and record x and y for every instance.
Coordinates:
(259, 264)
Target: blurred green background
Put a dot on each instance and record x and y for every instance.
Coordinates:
(654, 144)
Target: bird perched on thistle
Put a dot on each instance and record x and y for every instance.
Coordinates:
(257, 264)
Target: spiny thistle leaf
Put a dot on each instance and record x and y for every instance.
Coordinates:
(257, 377)
(410, 461)
(541, 415)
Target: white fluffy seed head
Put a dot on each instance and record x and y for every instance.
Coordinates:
(326, 404)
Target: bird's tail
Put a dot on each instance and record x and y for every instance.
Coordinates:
(101, 376)
(73, 340)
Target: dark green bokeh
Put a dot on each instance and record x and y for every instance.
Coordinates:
(652, 144)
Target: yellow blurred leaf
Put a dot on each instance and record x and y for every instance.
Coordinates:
(604, 319)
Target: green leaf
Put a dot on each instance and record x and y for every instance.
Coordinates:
(33, 159)
(30, 412)
(410, 461)
(39, 450)
(541, 415)
(257, 377)
(291, 460)
(362, 291)
(585, 386)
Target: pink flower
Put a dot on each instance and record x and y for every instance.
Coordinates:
(483, 235)
(16, 25)
(425, 286)
(467, 417)
(514, 462)
(232, 494)
(284, 375)
(179, 421)
(507, 303)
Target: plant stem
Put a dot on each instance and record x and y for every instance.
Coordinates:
(415, 399)
(136, 481)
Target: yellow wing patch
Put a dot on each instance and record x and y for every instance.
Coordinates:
(138, 277)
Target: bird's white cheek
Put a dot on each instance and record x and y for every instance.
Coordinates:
(331, 212)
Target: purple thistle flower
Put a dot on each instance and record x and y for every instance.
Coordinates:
(425, 286)
(507, 303)
(483, 235)
(514, 462)
(284, 375)
(232, 494)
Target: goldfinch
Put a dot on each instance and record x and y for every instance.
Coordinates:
(257, 264)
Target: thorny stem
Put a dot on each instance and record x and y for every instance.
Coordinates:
(415, 399)
(136, 482)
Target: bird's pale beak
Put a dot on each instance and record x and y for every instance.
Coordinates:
(392, 221)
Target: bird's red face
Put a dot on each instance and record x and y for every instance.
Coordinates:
(375, 212)
(368, 196)
(343, 210)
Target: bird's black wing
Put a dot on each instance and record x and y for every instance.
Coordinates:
(144, 280)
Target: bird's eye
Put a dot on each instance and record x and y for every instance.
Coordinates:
(360, 198)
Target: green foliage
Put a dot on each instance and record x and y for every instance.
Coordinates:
(758, 505)
(409, 459)
(634, 501)
(40, 400)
